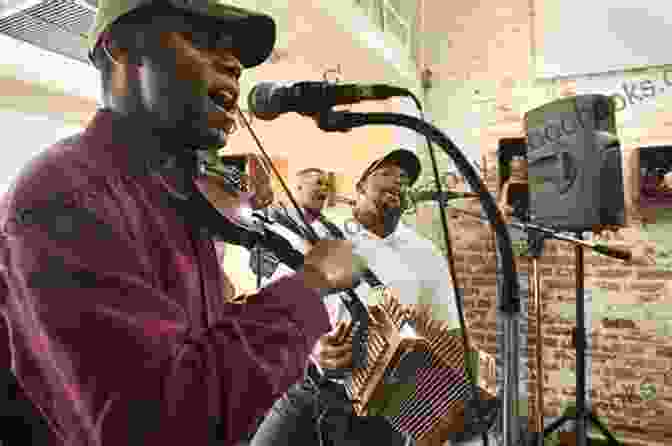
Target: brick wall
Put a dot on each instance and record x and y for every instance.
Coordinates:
(628, 356)
(481, 68)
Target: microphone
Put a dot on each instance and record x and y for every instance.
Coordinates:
(268, 100)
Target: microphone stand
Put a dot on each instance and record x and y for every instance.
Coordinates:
(583, 414)
(535, 248)
(536, 236)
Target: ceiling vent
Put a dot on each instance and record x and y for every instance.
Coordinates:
(59, 26)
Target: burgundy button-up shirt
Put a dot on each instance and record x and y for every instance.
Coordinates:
(120, 333)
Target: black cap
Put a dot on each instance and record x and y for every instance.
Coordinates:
(403, 158)
(253, 33)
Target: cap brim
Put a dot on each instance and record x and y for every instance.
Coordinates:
(253, 33)
(405, 159)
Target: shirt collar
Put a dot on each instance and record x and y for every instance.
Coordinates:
(395, 236)
(113, 144)
(311, 215)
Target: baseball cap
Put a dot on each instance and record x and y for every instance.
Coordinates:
(403, 158)
(253, 33)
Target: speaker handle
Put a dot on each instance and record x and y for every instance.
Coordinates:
(565, 165)
(607, 140)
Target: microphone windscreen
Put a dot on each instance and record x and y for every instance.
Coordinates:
(259, 101)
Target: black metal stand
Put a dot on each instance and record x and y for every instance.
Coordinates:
(583, 415)
(535, 242)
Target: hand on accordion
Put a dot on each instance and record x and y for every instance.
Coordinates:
(334, 350)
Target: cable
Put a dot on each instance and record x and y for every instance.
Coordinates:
(105, 44)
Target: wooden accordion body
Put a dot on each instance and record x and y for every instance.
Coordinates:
(415, 376)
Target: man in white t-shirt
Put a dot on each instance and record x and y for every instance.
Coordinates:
(398, 257)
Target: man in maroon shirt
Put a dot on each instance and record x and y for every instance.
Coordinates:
(119, 330)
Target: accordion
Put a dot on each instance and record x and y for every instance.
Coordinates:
(415, 374)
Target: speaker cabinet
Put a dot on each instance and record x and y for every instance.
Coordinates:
(574, 164)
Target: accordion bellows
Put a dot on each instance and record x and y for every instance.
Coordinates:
(415, 373)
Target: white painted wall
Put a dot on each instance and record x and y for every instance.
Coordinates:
(59, 74)
(581, 37)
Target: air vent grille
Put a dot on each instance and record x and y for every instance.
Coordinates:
(59, 26)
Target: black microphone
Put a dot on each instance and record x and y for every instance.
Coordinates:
(268, 100)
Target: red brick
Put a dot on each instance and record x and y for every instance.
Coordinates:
(559, 284)
(462, 269)
(612, 273)
(654, 275)
(648, 298)
(475, 259)
(477, 325)
(485, 268)
(459, 257)
(609, 286)
(469, 304)
(590, 260)
(635, 349)
(597, 260)
(557, 331)
(601, 356)
(478, 338)
(479, 282)
(647, 287)
(550, 342)
(477, 246)
(564, 272)
(470, 291)
(556, 260)
(639, 337)
(664, 351)
(618, 323)
(625, 373)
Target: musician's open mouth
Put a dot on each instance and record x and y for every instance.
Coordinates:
(393, 194)
(220, 104)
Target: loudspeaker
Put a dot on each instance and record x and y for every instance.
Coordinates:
(574, 164)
